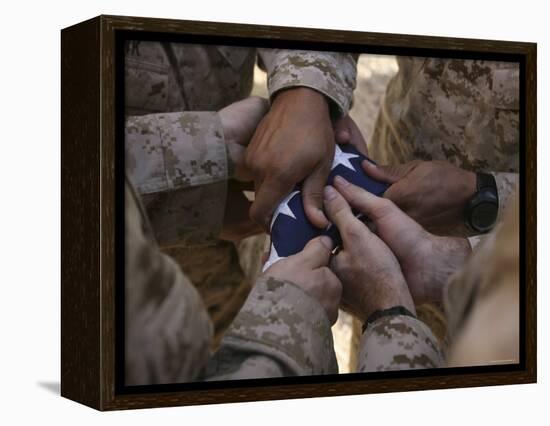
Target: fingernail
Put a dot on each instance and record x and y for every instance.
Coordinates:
(367, 163)
(329, 193)
(327, 242)
(340, 180)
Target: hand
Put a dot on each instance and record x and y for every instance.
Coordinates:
(308, 270)
(434, 193)
(293, 143)
(239, 122)
(371, 276)
(346, 131)
(426, 259)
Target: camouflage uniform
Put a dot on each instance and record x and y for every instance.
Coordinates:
(462, 111)
(180, 78)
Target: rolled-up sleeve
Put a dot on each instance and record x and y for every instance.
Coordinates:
(330, 73)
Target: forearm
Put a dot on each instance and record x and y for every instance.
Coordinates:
(178, 164)
(449, 255)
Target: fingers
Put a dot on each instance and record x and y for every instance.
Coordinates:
(388, 174)
(342, 132)
(346, 131)
(369, 204)
(340, 214)
(316, 253)
(312, 195)
(268, 196)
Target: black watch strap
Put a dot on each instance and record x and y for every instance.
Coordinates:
(395, 310)
(485, 180)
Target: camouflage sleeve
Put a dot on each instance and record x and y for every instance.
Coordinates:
(331, 73)
(280, 331)
(168, 330)
(398, 342)
(506, 188)
(178, 164)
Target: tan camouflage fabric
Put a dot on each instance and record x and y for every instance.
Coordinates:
(280, 330)
(462, 111)
(177, 163)
(482, 301)
(168, 330)
(168, 77)
(181, 79)
(398, 342)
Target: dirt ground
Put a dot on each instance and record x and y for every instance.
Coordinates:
(373, 74)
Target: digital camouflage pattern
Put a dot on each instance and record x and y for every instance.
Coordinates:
(168, 331)
(398, 342)
(185, 213)
(462, 111)
(168, 77)
(177, 163)
(279, 331)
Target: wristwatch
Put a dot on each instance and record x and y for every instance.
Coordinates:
(482, 209)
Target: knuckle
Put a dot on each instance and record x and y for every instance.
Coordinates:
(353, 234)
(385, 206)
(282, 177)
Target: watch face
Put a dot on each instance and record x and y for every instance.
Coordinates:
(484, 216)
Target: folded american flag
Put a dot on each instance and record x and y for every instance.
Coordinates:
(291, 230)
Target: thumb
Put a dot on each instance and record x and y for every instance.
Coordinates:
(312, 195)
(388, 174)
(342, 132)
(316, 253)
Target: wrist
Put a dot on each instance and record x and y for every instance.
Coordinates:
(389, 312)
(298, 96)
(390, 294)
(449, 254)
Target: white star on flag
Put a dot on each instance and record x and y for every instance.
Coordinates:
(273, 257)
(283, 208)
(340, 157)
